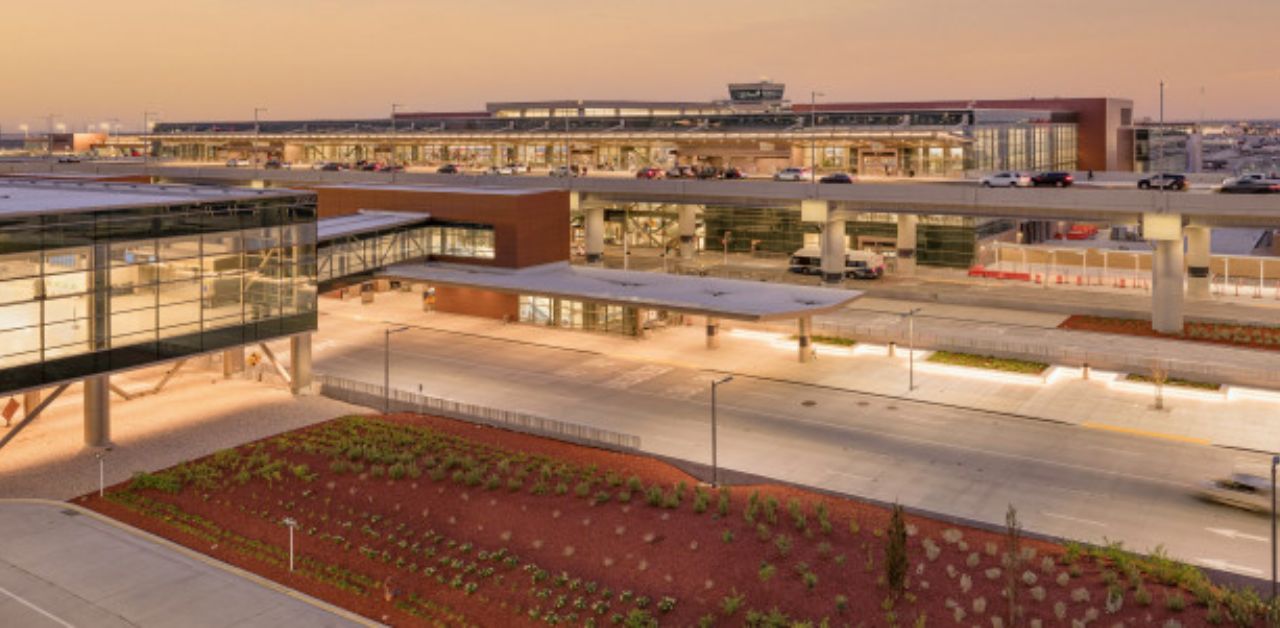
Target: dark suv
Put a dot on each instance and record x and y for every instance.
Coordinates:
(1164, 182)
(1053, 179)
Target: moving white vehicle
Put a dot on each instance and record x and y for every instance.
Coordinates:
(792, 174)
(857, 264)
(236, 162)
(1007, 180)
(1241, 490)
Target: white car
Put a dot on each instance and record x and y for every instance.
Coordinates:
(562, 171)
(236, 162)
(792, 174)
(501, 170)
(1241, 490)
(1007, 180)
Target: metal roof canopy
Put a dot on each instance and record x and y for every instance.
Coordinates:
(31, 197)
(733, 299)
(365, 221)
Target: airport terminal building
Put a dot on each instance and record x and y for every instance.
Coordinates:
(756, 130)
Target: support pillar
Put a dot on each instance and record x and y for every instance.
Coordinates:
(688, 231)
(594, 226)
(833, 251)
(1198, 239)
(232, 361)
(806, 346)
(300, 363)
(97, 411)
(907, 243)
(713, 333)
(1167, 275)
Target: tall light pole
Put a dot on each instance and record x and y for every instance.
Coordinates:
(813, 130)
(392, 162)
(257, 131)
(715, 466)
(386, 366)
(291, 523)
(910, 315)
(146, 130)
(49, 131)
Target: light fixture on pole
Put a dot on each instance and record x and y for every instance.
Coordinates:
(386, 366)
(392, 160)
(291, 523)
(910, 315)
(257, 130)
(813, 131)
(146, 130)
(715, 466)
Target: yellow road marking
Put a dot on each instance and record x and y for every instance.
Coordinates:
(1145, 433)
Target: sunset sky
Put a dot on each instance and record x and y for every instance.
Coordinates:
(91, 61)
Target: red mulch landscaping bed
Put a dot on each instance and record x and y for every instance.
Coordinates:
(1248, 336)
(415, 520)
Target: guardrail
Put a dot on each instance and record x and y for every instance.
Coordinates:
(374, 396)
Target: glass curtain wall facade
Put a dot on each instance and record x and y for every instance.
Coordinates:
(83, 293)
(1023, 147)
(370, 251)
(574, 314)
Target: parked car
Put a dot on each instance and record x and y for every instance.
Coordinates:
(518, 168)
(562, 171)
(1082, 232)
(1006, 180)
(68, 159)
(276, 164)
(650, 173)
(236, 162)
(448, 169)
(1164, 182)
(1053, 179)
(792, 174)
(333, 166)
(1252, 186)
(734, 173)
(391, 168)
(1249, 177)
(681, 172)
(837, 177)
(500, 170)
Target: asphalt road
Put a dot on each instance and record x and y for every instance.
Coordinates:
(1065, 481)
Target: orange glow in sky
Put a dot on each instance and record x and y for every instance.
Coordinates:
(91, 61)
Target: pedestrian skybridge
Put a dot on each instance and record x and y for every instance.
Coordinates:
(353, 247)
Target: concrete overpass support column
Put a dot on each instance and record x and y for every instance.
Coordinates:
(833, 252)
(688, 231)
(232, 361)
(1198, 239)
(97, 411)
(1166, 271)
(907, 243)
(713, 333)
(806, 347)
(300, 363)
(594, 226)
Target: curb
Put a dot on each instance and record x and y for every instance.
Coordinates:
(202, 558)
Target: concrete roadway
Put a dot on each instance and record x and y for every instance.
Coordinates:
(1065, 481)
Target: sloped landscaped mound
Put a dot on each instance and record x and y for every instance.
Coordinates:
(417, 520)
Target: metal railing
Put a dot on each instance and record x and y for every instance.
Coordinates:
(374, 396)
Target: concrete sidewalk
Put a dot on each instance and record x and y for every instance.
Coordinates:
(1101, 402)
(63, 566)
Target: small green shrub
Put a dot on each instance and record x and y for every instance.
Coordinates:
(766, 572)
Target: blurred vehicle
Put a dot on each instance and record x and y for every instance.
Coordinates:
(1254, 176)
(709, 172)
(1241, 490)
(792, 174)
(1053, 179)
(1252, 186)
(562, 171)
(518, 168)
(333, 166)
(236, 162)
(391, 168)
(1164, 181)
(1006, 180)
(448, 169)
(276, 164)
(69, 159)
(734, 173)
(837, 177)
(857, 264)
(1082, 232)
(501, 170)
(649, 173)
(681, 172)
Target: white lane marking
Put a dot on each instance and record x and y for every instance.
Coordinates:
(1120, 452)
(35, 608)
(1074, 519)
(1215, 563)
(1236, 534)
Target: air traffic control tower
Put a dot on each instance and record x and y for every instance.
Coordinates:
(97, 278)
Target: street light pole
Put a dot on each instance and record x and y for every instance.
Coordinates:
(290, 523)
(715, 467)
(813, 129)
(911, 348)
(146, 130)
(386, 366)
(394, 107)
(1275, 460)
(257, 131)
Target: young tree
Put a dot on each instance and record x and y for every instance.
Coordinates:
(1159, 375)
(895, 552)
(1013, 563)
